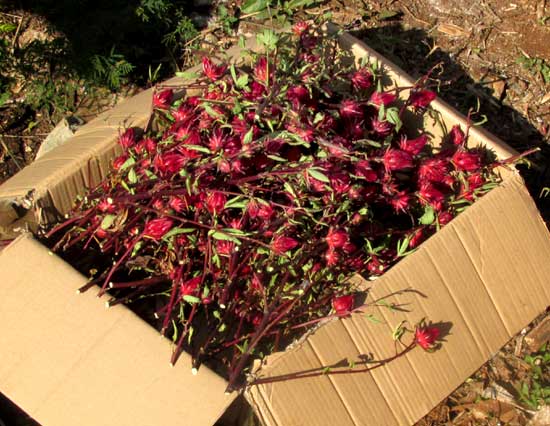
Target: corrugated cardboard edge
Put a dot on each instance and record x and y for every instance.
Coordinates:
(66, 360)
(45, 190)
(405, 390)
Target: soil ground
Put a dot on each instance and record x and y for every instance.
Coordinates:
(493, 57)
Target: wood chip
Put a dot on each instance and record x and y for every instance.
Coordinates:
(545, 98)
(452, 30)
(499, 88)
(539, 335)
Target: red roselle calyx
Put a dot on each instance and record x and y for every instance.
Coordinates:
(248, 208)
(343, 304)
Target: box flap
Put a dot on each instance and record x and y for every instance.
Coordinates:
(483, 276)
(60, 350)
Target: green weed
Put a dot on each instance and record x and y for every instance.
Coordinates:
(535, 391)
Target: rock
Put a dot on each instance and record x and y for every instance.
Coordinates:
(59, 135)
(541, 417)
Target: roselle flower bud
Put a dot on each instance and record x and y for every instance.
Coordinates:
(340, 183)
(444, 217)
(433, 169)
(374, 266)
(421, 98)
(417, 238)
(190, 287)
(364, 169)
(381, 128)
(157, 228)
(332, 257)
(298, 95)
(215, 202)
(361, 79)
(396, 159)
(300, 28)
(282, 244)
(101, 233)
(336, 238)
(170, 163)
(224, 166)
(457, 136)
(426, 337)
(212, 71)
(265, 212)
(216, 140)
(225, 248)
(400, 201)
(343, 304)
(106, 206)
(467, 161)
(256, 319)
(119, 161)
(184, 113)
(382, 98)
(413, 146)
(158, 204)
(163, 100)
(350, 109)
(177, 204)
(429, 194)
(261, 69)
(127, 139)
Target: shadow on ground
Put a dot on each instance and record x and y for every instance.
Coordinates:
(137, 30)
(410, 50)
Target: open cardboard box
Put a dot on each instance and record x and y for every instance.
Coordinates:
(65, 359)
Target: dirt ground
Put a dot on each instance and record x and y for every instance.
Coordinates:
(492, 56)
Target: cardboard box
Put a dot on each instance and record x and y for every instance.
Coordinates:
(65, 359)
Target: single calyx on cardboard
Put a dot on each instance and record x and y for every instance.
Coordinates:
(244, 212)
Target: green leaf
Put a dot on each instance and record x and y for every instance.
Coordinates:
(7, 27)
(198, 148)
(316, 174)
(4, 97)
(248, 136)
(210, 111)
(428, 217)
(242, 81)
(177, 231)
(277, 158)
(188, 75)
(132, 176)
(191, 299)
(129, 162)
(392, 115)
(268, 38)
(253, 6)
(297, 4)
(236, 203)
(216, 314)
(223, 236)
(107, 221)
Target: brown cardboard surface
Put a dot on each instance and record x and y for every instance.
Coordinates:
(485, 274)
(67, 360)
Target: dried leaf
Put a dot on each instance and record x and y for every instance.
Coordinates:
(453, 30)
(545, 98)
